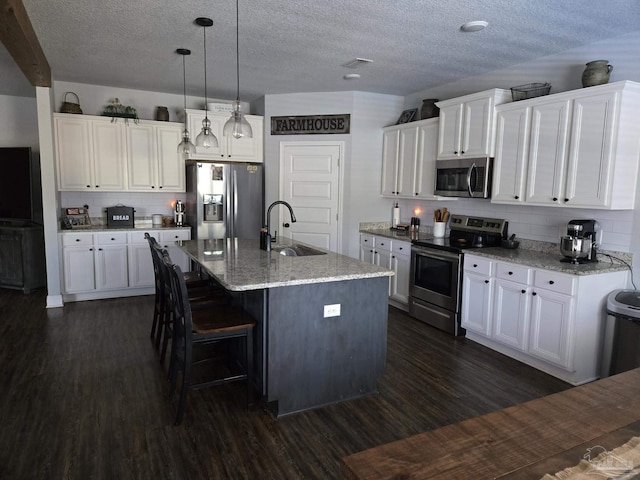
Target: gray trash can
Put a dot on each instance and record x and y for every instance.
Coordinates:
(624, 335)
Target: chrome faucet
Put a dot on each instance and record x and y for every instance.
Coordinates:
(269, 237)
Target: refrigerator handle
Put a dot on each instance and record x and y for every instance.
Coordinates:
(234, 199)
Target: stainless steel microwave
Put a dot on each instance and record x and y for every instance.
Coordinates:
(464, 177)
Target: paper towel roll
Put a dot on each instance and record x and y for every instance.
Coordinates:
(396, 217)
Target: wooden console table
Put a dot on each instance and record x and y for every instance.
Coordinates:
(507, 441)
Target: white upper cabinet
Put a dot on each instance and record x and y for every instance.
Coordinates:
(578, 149)
(467, 124)
(408, 159)
(96, 154)
(90, 154)
(229, 148)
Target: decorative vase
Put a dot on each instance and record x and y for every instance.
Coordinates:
(162, 114)
(596, 73)
(429, 108)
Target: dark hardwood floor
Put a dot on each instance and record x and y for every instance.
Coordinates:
(83, 397)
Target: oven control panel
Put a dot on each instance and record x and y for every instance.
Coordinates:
(478, 224)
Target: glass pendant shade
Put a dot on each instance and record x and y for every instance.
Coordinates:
(237, 126)
(185, 146)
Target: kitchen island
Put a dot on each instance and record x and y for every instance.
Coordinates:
(321, 319)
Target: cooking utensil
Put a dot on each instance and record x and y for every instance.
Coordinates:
(512, 237)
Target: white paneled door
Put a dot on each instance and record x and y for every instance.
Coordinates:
(310, 183)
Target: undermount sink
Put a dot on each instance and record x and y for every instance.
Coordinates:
(296, 250)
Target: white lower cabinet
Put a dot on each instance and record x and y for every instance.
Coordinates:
(550, 320)
(394, 255)
(111, 264)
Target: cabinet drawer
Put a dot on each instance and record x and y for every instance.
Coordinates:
(167, 238)
(401, 248)
(69, 239)
(478, 265)
(111, 238)
(514, 273)
(138, 236)
(367, 240)
(557, 282)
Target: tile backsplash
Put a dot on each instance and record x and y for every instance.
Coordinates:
(145, 204)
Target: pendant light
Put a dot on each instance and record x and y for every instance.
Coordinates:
(206, 139)
(237, 125)
(185, 147)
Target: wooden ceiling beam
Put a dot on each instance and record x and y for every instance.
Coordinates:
(19, 38)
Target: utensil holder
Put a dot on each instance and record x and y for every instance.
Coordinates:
(439, 229)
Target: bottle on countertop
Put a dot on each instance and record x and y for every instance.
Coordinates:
(395, 219)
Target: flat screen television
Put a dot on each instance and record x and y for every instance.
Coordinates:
(15, 183)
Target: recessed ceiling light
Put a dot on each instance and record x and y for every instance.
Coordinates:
(357, 62)
(474, 26)
(352, 76)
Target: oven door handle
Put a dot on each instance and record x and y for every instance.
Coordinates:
(469, 172)
(439, 255)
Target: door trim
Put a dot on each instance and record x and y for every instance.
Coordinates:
(341, 147)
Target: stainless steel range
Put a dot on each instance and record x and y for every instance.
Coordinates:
(435, 291)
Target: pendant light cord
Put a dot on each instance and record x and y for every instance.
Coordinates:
(237, 52)
(184, 81)
(206, 109)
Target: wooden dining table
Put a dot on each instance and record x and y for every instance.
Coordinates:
(520, 442)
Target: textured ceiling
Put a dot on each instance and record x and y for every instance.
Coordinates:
(299, 46)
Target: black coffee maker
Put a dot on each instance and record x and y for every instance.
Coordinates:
(579, 245)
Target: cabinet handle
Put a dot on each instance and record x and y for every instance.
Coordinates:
(97, 186)
(88, 186)
(475, 265)
(517, 197)
(551, 282)
(566, 200)
(510, 273)
(555, 199)
(91, 249)
(160, 186)
(365, 240)
(153, 186)
(100, 249)
(77, 239)
(400, 248)
(112, 239)
(523, 291)
(462, 152)
(417, 193)
(393, 256)
(533, 293)
(455, 152)
(486, 281)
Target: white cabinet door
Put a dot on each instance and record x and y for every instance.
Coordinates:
(477, 128)
(142, 157)
(512, 149)
(170, 169)
(111, 267)
(79, 269)
(140, 265)
(407, 162)
(109, 156)
(73, 153)
(591, 155)
(449, 136)
(548, 153)
(477, 293)
(390, 152)
(247, 149)
(511, 313)
(401, 265)
(425, 175)
(551, 336)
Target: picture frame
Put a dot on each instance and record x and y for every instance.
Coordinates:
(407, 116)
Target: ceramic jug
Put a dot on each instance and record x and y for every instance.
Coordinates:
(429, 108)
(596, 73)
(162, 114)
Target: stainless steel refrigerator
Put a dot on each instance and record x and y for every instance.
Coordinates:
(224, 200)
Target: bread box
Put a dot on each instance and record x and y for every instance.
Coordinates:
(120, 217)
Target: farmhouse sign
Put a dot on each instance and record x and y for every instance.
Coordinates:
(310, 124)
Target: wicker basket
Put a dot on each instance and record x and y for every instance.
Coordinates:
(69, 107)
(530, 90)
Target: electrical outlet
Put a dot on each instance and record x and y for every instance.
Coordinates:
(332, 310)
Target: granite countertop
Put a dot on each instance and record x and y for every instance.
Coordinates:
(538, 254)
(239, 265)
